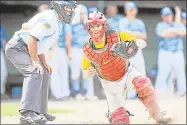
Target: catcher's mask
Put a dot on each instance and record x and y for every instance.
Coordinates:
(97, 17)
(65, 8)
(125, 49)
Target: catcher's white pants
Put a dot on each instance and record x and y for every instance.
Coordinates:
(116, 91)
(138, 62)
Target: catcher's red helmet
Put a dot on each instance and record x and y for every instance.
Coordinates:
(96, 17)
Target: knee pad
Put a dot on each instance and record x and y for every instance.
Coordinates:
(146, 94)
(143, 86)
(141, 83)
(120, 116)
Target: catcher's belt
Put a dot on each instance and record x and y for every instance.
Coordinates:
(108, 66)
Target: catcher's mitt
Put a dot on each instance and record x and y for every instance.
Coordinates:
(125, 49)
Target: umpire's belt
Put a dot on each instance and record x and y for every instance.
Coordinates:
(19, 39)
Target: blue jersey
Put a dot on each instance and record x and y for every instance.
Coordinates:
(113, 22)
(79, 34)
(172, 43)
(62, 39)
(136, 25)
(3, 35)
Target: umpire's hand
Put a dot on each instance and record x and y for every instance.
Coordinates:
(49, 68)
(38, 66)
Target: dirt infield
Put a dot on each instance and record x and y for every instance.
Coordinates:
(93, 112)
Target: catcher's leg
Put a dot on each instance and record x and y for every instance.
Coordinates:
(118, 114)
(115, 101)
(148, 97)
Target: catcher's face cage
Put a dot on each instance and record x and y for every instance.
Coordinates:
(66, 9)
(96, 17)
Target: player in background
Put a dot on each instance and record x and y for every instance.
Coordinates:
(4, 72)
(78, 38)
(113, 17)
(171, 44)
(135, 27)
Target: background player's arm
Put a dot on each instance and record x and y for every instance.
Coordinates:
(140, 35)
(88, 70)
(68, 45)
(172, 32)
(162, 31)
(177, 14)
(68, 38)
(180, 31)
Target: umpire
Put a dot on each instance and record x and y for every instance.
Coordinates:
(26, 52)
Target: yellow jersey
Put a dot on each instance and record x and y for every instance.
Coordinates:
(123, 38)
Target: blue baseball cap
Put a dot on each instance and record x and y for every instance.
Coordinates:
(183, 15)
(91, 9)
(130, 5)
(166, 11)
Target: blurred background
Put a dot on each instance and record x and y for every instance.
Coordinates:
(15, 13)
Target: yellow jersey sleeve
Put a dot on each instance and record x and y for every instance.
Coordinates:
(85, 63)
(124, 36)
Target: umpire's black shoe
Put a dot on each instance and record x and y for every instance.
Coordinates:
(31, 117)
(49, 117)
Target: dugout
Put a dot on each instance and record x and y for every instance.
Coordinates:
(14, 13)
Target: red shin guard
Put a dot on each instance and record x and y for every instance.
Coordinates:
(120, 116)
(147, 96)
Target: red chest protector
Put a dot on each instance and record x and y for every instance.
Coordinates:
(109, 67)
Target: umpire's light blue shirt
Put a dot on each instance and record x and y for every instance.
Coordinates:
(44, 26)
(172, 43)
(113, 22)
(136, 25)
(79, 34)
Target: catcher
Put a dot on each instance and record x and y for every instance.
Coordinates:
(107, 54)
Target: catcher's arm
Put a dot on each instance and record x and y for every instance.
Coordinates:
(124, 36)
(85, 63)
(88, 70)
(128, 46)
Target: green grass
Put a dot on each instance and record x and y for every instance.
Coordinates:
(12, 110)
